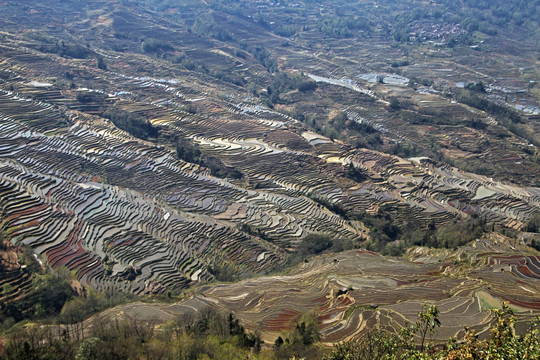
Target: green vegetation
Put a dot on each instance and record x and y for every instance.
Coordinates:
(284, 82)
(355, 173)
(86, 97)
(101, 64)
(210, 335)
(223, 271)
(473, 15)
(207, 26)
(316, 244)
(263, 56)
(395, 104)
(48, 295)
(396, 64)
(301, 342)
(219, 169)
(386, 230)
(343, 26)
(508, 117)
(454, 234)
(478, 87)
(76, 51)
(132, 123)
(156, 46)
(78, 308)
(471, 99)
(533, 225)
(51, 296)
(190, 152)
(375, 344)
(482, 15)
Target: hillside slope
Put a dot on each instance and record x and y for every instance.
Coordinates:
(148, 148)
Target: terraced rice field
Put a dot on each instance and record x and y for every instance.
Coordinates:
(354, 291)
(86, 193)
(125, 213)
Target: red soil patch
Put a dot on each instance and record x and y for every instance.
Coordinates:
(281, 321)
(345, 302)
(324, 317)
(535, 305)
(367, 252)
(401, 282)
(527, 272)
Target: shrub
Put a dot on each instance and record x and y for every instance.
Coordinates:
(134, 124)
